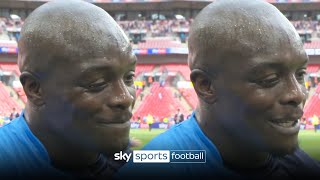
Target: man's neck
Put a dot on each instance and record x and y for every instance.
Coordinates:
(63, 155)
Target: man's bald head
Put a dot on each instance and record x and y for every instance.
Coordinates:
(61, 30)
(237, 29)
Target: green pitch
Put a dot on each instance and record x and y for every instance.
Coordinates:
(144, 135)
(309, 140)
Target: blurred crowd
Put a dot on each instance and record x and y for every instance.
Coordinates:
(156, 28)
(6, 118)
(307, 26)
(10, 27)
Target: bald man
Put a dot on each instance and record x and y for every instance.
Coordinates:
(77, 68)
(248, 66)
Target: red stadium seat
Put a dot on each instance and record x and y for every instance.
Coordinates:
(183, 69)
(11, 67)
(162, 107)
(141, 68)
(190, 95)
(159, 43)
(21, 94)
(313, 105)
(313, 68)
(312, 45)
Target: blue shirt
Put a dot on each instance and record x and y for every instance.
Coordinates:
(189, 136)
(22, 155)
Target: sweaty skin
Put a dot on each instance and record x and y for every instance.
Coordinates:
(247, 64)
(77, 71)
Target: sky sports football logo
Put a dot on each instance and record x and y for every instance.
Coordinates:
(162, 156)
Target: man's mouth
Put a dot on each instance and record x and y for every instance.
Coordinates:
(115, 124)
(287, 127)
(122, 118)
(286, 124)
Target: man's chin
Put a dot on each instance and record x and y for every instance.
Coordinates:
(114, 148)
(281, 152)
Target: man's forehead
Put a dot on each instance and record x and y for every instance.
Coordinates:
(82, 26)
(113, 56)
(249, 41)
(226, 22)
(285, 57)
(280, 60)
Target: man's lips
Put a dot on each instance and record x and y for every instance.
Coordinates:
(286, 126)
(115, 125)
(118, 119)
(289, 119)
(285, 122)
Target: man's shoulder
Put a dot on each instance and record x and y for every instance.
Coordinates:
(11, 137)
(301, 163)
(301, 157)
(10, 132)
(16, 139)
(177, 137)
(21, 153)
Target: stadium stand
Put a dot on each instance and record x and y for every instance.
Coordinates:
(313, 68)
(10, 67)
(190, 95)
(183, 69)
(141, 68)
(312, 107)
(7, 102)
(312, 45)
(21, 94)
(159, 43)
(161, 106)
(9, 29)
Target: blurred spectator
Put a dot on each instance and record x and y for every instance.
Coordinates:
(315, 122)
(13, 114)
(139, 119)
(150, 121)
(141, 96)
(177, 116)
(181, 118)
(165, 120)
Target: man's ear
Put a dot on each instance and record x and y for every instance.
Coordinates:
(32, 88)
(203, 85)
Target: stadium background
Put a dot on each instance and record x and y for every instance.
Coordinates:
(158, 30)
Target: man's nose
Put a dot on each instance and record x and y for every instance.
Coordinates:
(121, 97)
(294, 92)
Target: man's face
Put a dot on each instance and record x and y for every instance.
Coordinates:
(260, 99)
(92, 107)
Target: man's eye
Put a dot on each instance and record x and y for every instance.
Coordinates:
(96, 87)
(269, 81)
(300, 75)
(129, 79)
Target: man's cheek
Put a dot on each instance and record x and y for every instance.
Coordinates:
(132, 92)
(85, 110)
(305, 93)
(260, 100)
(89, 103)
